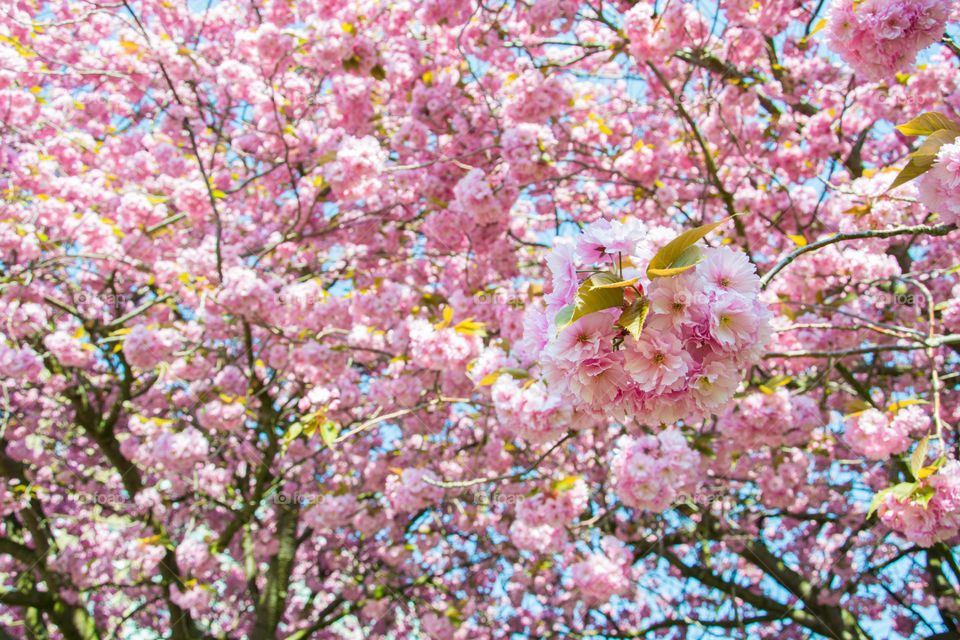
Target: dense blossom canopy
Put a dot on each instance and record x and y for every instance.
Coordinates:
(459, 320)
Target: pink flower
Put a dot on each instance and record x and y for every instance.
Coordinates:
(597, 381)
(602, 575)
(935, 521)
(20, 364)
(940, 186)
(715, 385)
(67, 349)
(355, 174)
(565, 280)
(408, 491)
(880, 38)
(729, 270)
(145, 348)
(606, 240)
(873, 435)
(733, 321)
(657, 361)
(703, 327)
(588, 337)
(649, 473)
(676, 297)
(910, 420)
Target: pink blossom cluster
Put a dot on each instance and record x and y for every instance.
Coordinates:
(876, 436)
(180, 450)
(879, 38)
(940, 186)
(486, 203)
(23, 364)
(604, 573)
(193, 554)
(775, 419)
(555, 507)
(530, 410)
(152, 443)
(781, 480)
(355, 174)
(542, 517)
(650, 472)
(655, 37)
(331, 511)
(146, 347)
(439, 349)
(67, 349)
(528, 147)
(938, 520)
(219, 415)
(244, 292)
(408, 491)
(703, 329)
(195, 598)
(534, 97)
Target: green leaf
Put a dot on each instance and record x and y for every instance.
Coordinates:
(896, 406)
(565, 316)
(923, 158)
(676, 257)
(904, 490)
(623, 284)
(919, 457)
(378, 72)
(490, 378)
(293, 432)
(877, 499)
(564, 485)
(328, 431)
(634, 316)
(928, 123)
(923, 495)
(592, 297)
(351, 64)
(216, 193)
(688, 258)
(856, 407)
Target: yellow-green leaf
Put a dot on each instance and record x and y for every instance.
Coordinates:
(328, 431)
(623, 284)
(591, 297)
(877, 499)
(923, 158)
(926, 471)
(564, 485)
(919, 456)
(800, 241)
(565, 316)
(470, 328)
(490, 378)
(634, 316)
(928, 123)
(896, 406)
(674, 257)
